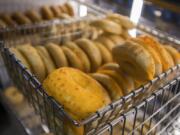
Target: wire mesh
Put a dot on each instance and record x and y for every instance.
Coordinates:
(143, 111)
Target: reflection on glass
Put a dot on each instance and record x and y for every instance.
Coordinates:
(135, 14)
(82, 11)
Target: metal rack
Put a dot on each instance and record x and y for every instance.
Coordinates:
(51, 27)
(146, 108)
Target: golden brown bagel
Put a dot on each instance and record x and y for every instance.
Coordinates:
(106, 42)
(125, 34)
(70, 9)
(19, 56)
(13, 95)
(166, 59)
(156, 58)
(8, 20)
(64, 16)
(135, 60)
(48, 62)
(2, 24)
(81, 55)
(72, 58)
(118, 40)
(57, 55)
(127, 85)
(174, 53)
(63, 9)
(109, 84)
(105, 53)
(79, 94)
(33, 58)
(121, 20)
(33, 16)
(46, 13)
(21, 18)
(110, 66)
(108, 26)
(92, 52)
(55, 10)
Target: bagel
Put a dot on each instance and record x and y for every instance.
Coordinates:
(20, 18)
(125, 34)
(70, 9)
(55, 10)
(33, 16)
(92, 52)
(46, 13)
(64, 9)
(13, 95)
(110, 66)
(126, 85)
(105, 53)
(57, 55)
(2, 24)
(43, 53)
(106, 42)
(8, 20)
(117, 40)
(135, 60)
(72, 58)
(174, 53)
(79, 94)
(80, 54)
(124, 21)
(156, 58)
(109, 84)
(108, 26)
(33, 58)
(166, 59)
(21, 58)
(63, 16)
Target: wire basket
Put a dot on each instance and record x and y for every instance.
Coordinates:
(145, 110)
(84, 12)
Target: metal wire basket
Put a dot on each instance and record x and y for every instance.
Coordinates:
(146, 110)
(84, 12)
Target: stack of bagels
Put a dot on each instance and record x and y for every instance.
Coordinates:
(44, 13)
(85, 75)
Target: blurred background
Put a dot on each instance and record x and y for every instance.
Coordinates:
(161, 14)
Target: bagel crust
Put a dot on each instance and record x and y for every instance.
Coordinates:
(156, 58)
(92, 52)
(80, 54)
(80, 94)
(57, 55)
(174, 53)
(135, 61)
(109, 84)
(165, 57)
(33, 58)
(19, 56)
